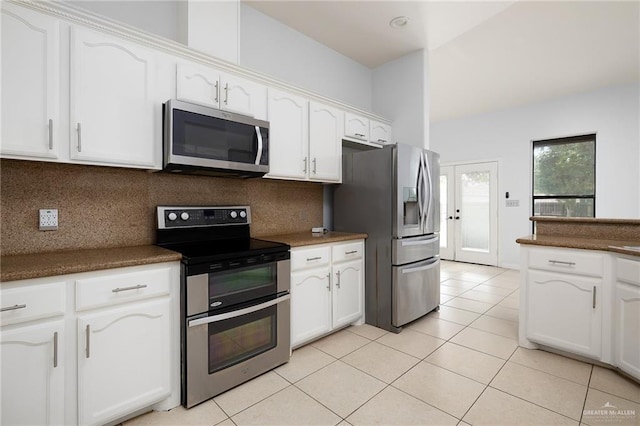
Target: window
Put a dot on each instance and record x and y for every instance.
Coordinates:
(564, 177)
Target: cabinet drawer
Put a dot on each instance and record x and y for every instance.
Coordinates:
(122, 287)
(310, 257)
(347, 251)
(628, 271)
(568, 261)
(32, 302)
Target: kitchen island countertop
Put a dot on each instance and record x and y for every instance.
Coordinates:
(300, 239)
(46, 264)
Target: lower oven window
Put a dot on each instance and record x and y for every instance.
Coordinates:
(237, 339)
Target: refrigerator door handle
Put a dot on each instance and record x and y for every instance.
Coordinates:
(428, 182)
(420, 194)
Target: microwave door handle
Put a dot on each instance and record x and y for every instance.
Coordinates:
(259, 154)
(240, 312)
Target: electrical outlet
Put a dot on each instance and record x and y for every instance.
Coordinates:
(48, 219)
(513, 203)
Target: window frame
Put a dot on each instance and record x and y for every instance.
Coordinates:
(591, 137)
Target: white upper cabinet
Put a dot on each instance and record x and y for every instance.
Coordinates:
(210, 87)
(379, 132)
(113, 117)
(356, 127)
(325, 143)
(30, 73)
(288, 135)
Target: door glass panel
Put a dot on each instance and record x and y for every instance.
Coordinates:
(443, 211)
(235, 340)
(476, 209)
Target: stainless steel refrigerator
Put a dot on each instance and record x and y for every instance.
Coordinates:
(393, 194)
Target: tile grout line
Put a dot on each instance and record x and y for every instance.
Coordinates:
(586, 395)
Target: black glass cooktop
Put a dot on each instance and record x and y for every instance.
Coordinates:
(217, 250)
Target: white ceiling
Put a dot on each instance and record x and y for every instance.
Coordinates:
(484, 55)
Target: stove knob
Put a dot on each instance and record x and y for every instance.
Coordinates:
(172, 216)
(233, 214)
(243, 214)
(184, 216)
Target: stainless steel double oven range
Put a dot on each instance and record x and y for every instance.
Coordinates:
(235, 308)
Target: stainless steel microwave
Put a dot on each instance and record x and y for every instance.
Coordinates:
(204, 140)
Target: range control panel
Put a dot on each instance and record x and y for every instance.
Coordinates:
(186, 217)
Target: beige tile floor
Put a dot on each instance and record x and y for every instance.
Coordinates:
(461, 365)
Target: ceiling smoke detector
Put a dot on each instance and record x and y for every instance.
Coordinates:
(399, 22)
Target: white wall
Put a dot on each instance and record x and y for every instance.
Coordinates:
(268, 46)
(612, 113)
(400, 93)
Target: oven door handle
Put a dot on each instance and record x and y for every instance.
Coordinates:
(234, 314)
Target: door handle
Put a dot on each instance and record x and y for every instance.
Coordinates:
(13, 308)
(226, 94)
(50, 134)
(338, 280)
(87, 333)
(238, 313)
(259, 154)
(55, 349)
(305, 165)
(217, 93)
(79, 138)
(457, 217)
(450, 217)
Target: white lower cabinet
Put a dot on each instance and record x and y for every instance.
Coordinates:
(33, 374)
(627, 316)
(564, 312)
(122, 362)
(125, 349)
(327, 289)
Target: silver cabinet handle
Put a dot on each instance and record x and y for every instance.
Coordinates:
(305, 165)
(314, 165)
(234, 314)
(217, 92)
(87, 334)
(259, 153)
(329, 282)
(309, 259)
(360, 134)
(338, 280)
(55, 349)
(13, 308)
(594, 297)
(560, 262)
(382, 141)
(134, 287)
(351, 252)
(79, 138)
(50, 134)
(226, 94)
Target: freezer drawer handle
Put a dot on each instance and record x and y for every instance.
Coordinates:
(238, 313)
(419, 268)
(420, 243)
(13, 308)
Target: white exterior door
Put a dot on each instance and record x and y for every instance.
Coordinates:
(469, 213)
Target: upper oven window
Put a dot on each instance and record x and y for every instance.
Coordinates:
(233, 286)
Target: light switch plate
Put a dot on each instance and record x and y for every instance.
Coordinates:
(513, 203)
(48, 219)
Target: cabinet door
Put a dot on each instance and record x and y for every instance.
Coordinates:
(243, 96)
(379, 132)
(113, 115)
(288, 135)
(123, 360)
(564, 311)
(356, 127)
(199, 84)
(32, 374)
(310, 305)
(325, 143)
(30, 104)
(627, 326)
(348, 292)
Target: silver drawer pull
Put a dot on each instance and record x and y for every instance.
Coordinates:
(360, 134)
(351, 252)
(382, 140)
(338, 280)
(50, 134)
(594, 297)
(560, 262)
(309, 259)
(55, 349)
(135, 287)
(87, 336)
(13, 308)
